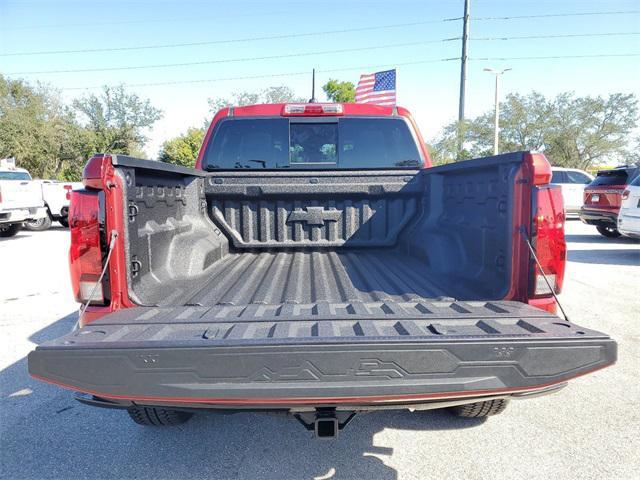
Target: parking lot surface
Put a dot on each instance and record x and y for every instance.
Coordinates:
(589, 430)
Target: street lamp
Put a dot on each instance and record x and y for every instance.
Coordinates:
(498, 74)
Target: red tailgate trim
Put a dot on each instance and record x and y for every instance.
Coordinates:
(319, 400)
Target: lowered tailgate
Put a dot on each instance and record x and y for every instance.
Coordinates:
(321, 354)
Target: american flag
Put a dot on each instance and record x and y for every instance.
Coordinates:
(378, 88)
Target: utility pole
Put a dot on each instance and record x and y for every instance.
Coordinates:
(463, 76)
(463, 65)
(496, 118)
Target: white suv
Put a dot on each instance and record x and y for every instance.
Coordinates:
(572, 182)
(629, 216)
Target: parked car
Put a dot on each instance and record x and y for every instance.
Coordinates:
(56, 196)
(20, 198)
(572, 182)
(602, 199)
(629, 216)
(313, 264)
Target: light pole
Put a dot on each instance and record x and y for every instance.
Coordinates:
(498, 74)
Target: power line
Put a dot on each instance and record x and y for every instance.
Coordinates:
(235, 60)
(550, 57)
(552, 15)
(359, 68)
(225, 41)
(250, 77)
(310, 34)
(568, 35)
(320, 52)
(91, 24)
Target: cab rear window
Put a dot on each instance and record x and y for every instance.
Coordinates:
(613, 177)
(14, 176)
(350, 143)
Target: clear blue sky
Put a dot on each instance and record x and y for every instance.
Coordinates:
(429, 90)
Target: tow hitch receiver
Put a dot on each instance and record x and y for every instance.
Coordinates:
(325, 422)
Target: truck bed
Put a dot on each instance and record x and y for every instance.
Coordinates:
(320, 276)
(375, 352)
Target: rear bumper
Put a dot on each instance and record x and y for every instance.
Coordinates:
(18, 215)
(599, 217)
(629, 226)
(474, 358)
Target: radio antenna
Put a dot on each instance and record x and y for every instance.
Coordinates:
(313, 87)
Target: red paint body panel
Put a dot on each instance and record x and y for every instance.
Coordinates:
(610, 197)
(548, 304)
(101, 174)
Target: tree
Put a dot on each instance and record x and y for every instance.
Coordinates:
(38, 130)
(572, 131)
(47, 138)
(183, 149)
(342, 92)
(280, 94)
(115, 120)
(588, 130)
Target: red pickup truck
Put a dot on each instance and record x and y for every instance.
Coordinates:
(314, 263)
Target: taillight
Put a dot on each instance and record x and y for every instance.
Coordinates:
(85, 253)
(625, 194)
(68, 188)
(541, 168)
(92, 173)
(548, 241)
(301, 109)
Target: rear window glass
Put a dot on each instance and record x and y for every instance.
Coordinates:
(14, 176)
(612, 177)
(293, 143)
(636, 182)
(578, 177)
(558, 177)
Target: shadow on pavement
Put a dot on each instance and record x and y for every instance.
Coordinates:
(45, 433)
(23, 233)
(605, 257)
(597, 238)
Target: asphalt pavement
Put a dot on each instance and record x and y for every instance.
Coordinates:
(589, 430)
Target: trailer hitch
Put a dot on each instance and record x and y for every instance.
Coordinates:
(325, 422)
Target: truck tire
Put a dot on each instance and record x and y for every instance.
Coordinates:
(609, 232)
(9, 229)
(38, 225)
(480, 409)
(158, 417)
(64, 221)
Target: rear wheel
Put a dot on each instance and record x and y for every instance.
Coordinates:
(158, 417)
(9, 229)
(39, 224)
(480, 409)
(609, 232)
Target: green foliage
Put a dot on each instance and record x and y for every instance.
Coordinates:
(115, 120)
(36, 129)
(280, 94)
(575, 132)
(183, 150)
(342, 92)
(47, 138)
